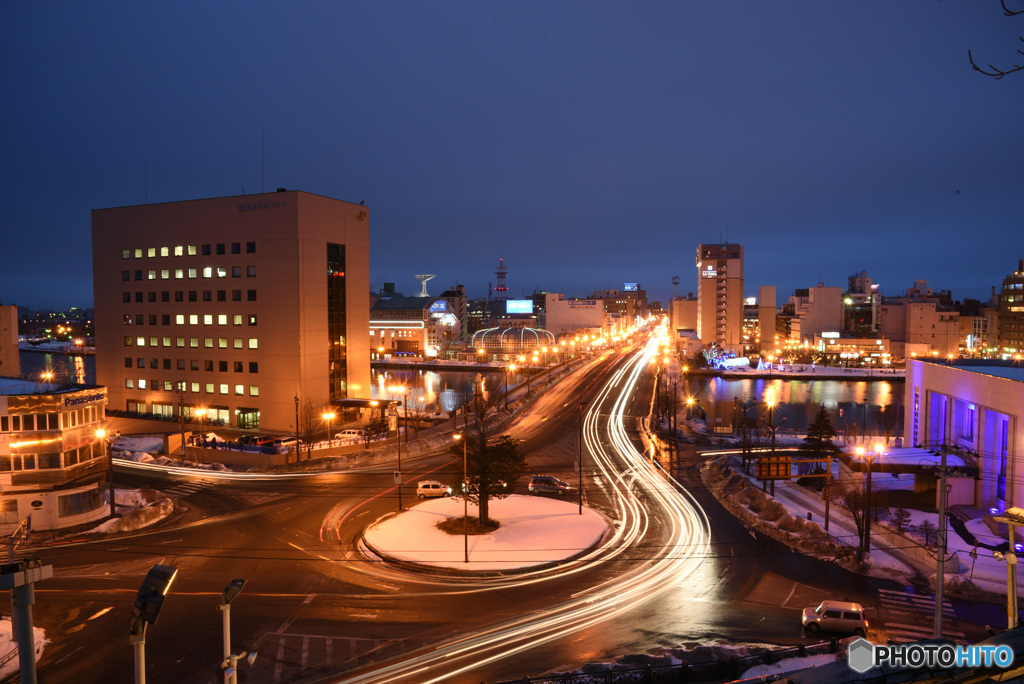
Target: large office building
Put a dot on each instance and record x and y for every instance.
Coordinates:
(720, 295)
(237, 305)
(1011, 313)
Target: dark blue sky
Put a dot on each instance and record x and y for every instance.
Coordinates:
(588, 143)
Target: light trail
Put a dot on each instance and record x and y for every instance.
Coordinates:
(628, 475)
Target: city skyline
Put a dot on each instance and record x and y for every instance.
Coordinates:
(587, 146)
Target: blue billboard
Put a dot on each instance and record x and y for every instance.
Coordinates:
(519, 306)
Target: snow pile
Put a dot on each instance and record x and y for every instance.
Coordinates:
(760, 511)
(150, 444)
(7, 648)
(138, 508)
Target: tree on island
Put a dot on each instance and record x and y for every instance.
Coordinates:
(492, 465)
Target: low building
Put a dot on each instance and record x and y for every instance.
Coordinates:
(975, 407)
(53, 457)
(409, 326)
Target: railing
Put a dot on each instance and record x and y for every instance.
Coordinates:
(722, 669)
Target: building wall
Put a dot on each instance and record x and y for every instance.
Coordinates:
(565, 316)
(974, 410)
(938, 331)
(52, 460)
(720, 295)
(287, 272)
(10, 362)
(1011, 312)
(683, 313)
(766, 317)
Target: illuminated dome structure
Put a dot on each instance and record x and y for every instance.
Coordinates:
(512, 341)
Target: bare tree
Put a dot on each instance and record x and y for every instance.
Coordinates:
(994, 71)
(310, 424)
(850, 496)
(377, 426)
(888, 421)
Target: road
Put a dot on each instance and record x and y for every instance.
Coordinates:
(677, 569)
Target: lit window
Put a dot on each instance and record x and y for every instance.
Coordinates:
(179, 250)
(222, 342)
(252, 319)
(165, 251)
(168, 386)
(126, 253)
(193, 319)
(127, 340)
(165, 274)
(240, 390)
(142, 384)
(224, 388)
(222, 319)
(253, 344)
(209, 388)
(192, 273)
(167, 341)
(151, 275)
(195, 386)
(179, 319)
(222, 272)
(191, 250)
(138, 253)
(207, 319)
(237, 319)
(254, 391)
(179, 273)
(208, 342)
(129, 383)
(208, 272)
(179, 341)
(238, 343)
(154, 342)
(140, 341)
(151, 252)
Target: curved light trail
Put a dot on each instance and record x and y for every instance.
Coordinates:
(637, 487)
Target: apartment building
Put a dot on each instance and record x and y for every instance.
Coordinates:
(237, 305)
(720, 295)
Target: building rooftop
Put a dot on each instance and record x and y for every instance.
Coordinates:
(18, 386)
(1010, 370)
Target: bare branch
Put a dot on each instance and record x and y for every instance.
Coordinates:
(1007, 11)
(994, 72)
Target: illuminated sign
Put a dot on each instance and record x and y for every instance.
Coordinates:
(582, 304)
(519, 306)
(709, 273)
(440, 306)
(629, 287)
(830, 335)
(82, 399)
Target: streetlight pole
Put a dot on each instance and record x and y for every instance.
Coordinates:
(465, 496)
(328, 416)
(230, 663)
(108, 454)
(870, 457)
(579, 449)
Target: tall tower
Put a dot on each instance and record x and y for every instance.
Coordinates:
(501, 289)
(423, 281)
(720, 295)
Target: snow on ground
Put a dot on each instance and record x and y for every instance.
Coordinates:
(788, 665)
(534, 530)
(136, 511)
(150, 444)
(8, 648)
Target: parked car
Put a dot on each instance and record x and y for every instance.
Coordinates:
(286, 442)
(430, 489)
(351, 433)
(548, 483)
(835, 616)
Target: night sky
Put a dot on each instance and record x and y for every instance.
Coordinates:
(587, 143)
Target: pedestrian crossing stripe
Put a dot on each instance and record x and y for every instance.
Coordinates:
(918, 632)
(189, 487)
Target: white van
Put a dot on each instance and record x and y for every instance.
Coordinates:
(351, 434)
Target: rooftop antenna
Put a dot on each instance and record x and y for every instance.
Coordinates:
(423, 279)
(675, 287)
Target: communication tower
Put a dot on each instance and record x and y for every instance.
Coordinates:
(501, 289)
(423, 279)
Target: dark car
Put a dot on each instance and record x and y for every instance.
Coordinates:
(548, 483)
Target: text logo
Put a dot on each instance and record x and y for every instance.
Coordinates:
(863, 655)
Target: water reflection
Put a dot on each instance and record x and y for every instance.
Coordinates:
(437, 392)
(858, 402)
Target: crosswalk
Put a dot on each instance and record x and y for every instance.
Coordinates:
(909, 617)
(190, 487)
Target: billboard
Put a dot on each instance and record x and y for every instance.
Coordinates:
(629, 287)
(440, 306)
(519, 306)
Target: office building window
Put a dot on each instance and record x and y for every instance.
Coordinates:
(126, 297)
(224, 388)
(252, 319)
(236, 271)
(254, 367)
(193, 296)
(238, 366)
(179, 250)
(206, 250)
(220, 248)
(126, 275)
(209, 388)
(236, 295)
(165, 251)
(240, 390)
(165, 319)
(222, 319)
(250, 271)
(222, 366)
(254, 391)
(151, 252)
(129, 383)
(179, 296)
(191, 250)
(207, 295)
(126, 253)
(151, 296)
(250, 247)
(167, 364)
(236, 319)
(138, 297)
(222, 295)
(127, 362)
(253, 344)
(208, 365)
(193, 364)
(222, 342)
(250, 295)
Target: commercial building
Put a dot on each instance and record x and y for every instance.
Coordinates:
(815, 310)
(53, 460)
(766, 324)
(975, 408)
(1011, 313)
(403, 326)
(566, 316)
(720, 295)
(238, 305)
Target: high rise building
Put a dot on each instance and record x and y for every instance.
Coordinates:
(1011, 312)
(241, 306)
(10, 361)
(720, 295)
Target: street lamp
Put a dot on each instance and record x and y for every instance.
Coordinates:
(108, 454)
(398, 475)
(230, 662)
(148, 601)
(1013, 517)
(869, 456)
(202, 417)
(511, 368)
(465, 494)
(579, 449)
(328, 417)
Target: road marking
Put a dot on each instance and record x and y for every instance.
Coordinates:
(304, 662)
(791, 592)
(328, 646)
(280, 660)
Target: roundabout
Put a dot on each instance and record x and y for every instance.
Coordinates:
(533, 531)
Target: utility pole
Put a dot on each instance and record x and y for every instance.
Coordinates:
(940, 564)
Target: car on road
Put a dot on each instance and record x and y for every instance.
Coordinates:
(548, 483)
(835, 616)
(351, 433)
(431, 489)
